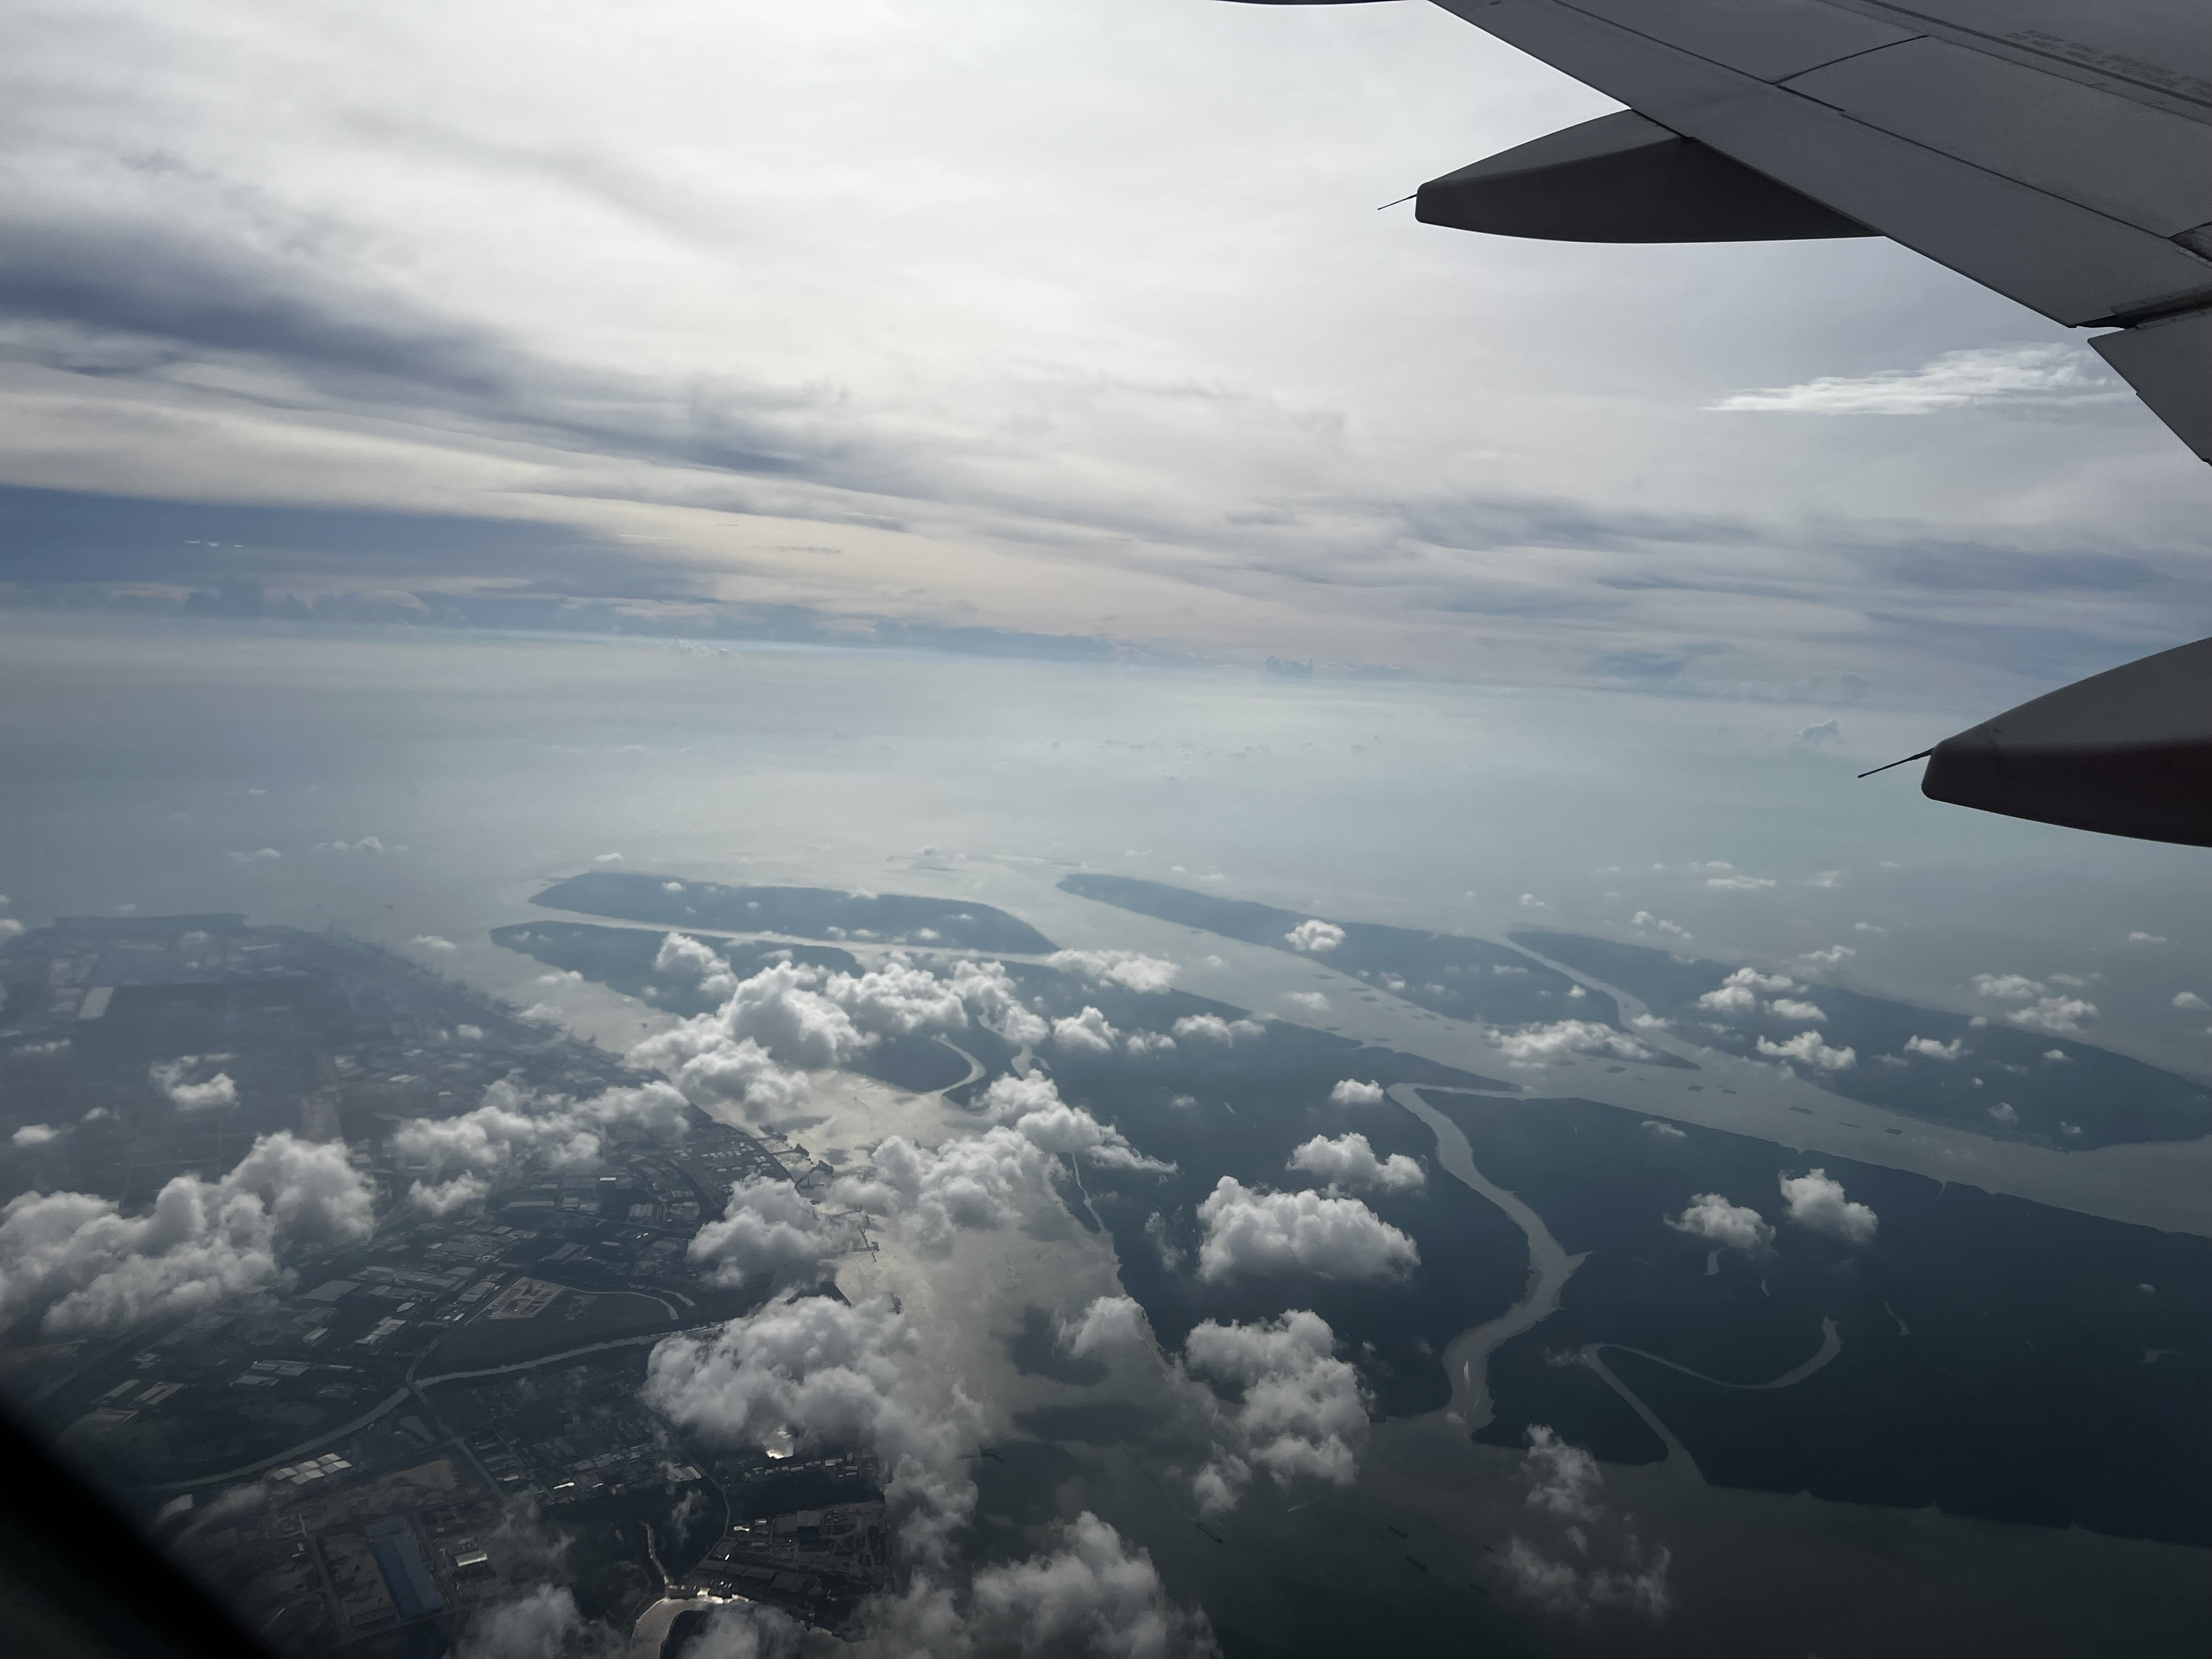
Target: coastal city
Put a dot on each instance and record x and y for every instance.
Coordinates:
(415, 1426)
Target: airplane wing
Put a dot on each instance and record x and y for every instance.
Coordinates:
(2057, 151)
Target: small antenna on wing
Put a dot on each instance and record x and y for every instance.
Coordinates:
(1923, 755)
(1400, 202)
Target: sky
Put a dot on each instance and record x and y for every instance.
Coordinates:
(1076, 319)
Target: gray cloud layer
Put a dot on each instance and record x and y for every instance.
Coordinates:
(1036, 374)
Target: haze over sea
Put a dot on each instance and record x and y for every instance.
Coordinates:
(420, 788)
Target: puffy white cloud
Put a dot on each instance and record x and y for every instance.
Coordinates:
(1354, 1092)
(1087, 1593)
(1808, 1048)
(90, 1267)
(988, 993)
(788, 1019)
(1349, 1161)
(1141, 1043)
(1270, 1398)
(1739, 884)
(1302, 1411)
(1032, 1106)
(988, 1180)
(1817, 1201)
(1664, 1131)
(2003, 1113)
(1835, 955)
(512, 1127)
(756, 1049)
(1313, 1002)
(2189, 1000)
(2140, 937)
(34, 1135)
(1791, 1008)
(1547, 1045)
(1737, 1226)
(1212, 1028)
(982, 1183)
(828, 1372)
(2058, 1016)
(1563, 1481)
(1316, 937)
(1562, 1586)
(170, 1075)
(1646, 920)
(1565, 1489)
(2058, 1056)
(1133, 970)
(9, 928)
(681, 956)
(434, 942)
(1253, 1232)
(1930, 1048)
(543, 1623)
(746, 1630)
(1086, 1033)
(769, 1227)
(1739, 993)
(260, 856)
(2008, 987)
(449, 1197)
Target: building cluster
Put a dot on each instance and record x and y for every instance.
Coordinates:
(383, 1440)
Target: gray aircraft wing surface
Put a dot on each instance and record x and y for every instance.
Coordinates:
(2056, 151)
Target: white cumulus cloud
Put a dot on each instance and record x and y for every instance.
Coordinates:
(1212, 1028)
(1808, 1048)
(1351, 1092)
(1710, 1215)
(1269, 1399)
(2057, 1016)
(1315, 937)
(828, 1372)
(172, 1077)
(1086, 1033)
(1547, 1045)
(1817, 1201)
(1349, 1162)
(1253, 1232)
(1565, 1490)
(511, 1127)
(83, 1266)
(769, 1228)
(1133, 970)
(1930, 1048)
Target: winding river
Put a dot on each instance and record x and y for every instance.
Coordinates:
(1466, 1357)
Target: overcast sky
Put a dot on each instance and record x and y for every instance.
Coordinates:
(1074, 317)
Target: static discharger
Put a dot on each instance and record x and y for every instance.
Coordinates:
(1923, 755)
